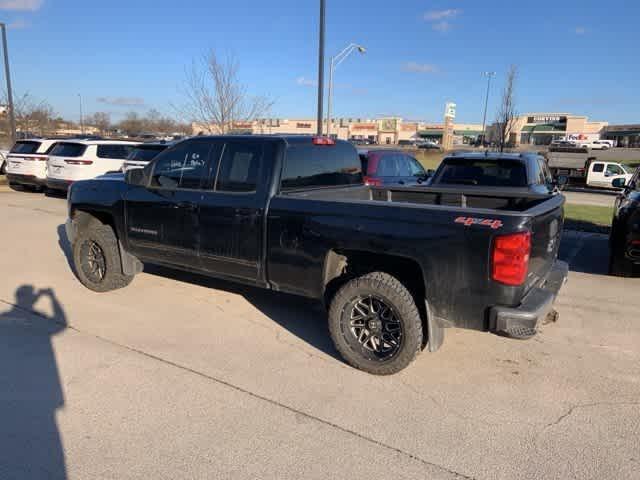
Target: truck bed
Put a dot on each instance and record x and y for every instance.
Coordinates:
(493, 198)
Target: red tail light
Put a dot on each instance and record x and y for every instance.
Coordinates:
(510, 259)
(323, 141)
(373, 182)
(78, 162)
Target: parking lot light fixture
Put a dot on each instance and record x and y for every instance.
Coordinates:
(489, 76)
(7, 72)
(335, 61)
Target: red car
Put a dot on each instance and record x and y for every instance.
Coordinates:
(391, 167)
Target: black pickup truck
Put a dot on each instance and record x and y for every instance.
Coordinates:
(394, 266)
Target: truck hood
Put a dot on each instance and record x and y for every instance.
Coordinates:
(111, 177)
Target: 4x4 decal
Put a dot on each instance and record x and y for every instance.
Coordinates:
(485, 222)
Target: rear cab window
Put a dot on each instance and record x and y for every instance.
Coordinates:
(320, 166)
(145, 153)
(26, 147)
(68, 149)
(484, 172)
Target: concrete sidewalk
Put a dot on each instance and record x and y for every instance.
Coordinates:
(179, 376)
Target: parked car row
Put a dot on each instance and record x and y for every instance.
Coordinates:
(54, 164)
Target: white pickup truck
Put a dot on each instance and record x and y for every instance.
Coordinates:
(595, 144)
(581, 169)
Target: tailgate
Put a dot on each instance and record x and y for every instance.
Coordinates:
(546, 233)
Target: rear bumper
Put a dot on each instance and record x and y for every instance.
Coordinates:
(58, 184)
(524, 320)
(26, 179)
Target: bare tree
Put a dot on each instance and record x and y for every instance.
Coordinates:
(132, 124)
(100, 120)
(215, 97)
(32, 116)
(506, 115)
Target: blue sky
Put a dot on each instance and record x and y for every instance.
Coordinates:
(575, 56)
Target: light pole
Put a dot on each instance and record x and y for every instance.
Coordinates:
(489, 76)
(81, 117)
(335, 61)
(321, 67)
(7, 72)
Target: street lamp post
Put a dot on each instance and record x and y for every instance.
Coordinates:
(335, 61)
(7, 72)
(489, 76)
(81, 117)
(321, 67)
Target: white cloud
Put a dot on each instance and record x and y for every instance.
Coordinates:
(443, 26)
(580, 30)
(121, 101)
(28, 5)
(306, 82)
(416, 67)
(435, 15)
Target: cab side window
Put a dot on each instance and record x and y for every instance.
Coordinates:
(598, 167)
(614, 170)
(239, 168)
(184, 166)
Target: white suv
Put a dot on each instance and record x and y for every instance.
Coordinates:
(73, 160)
(27, 162)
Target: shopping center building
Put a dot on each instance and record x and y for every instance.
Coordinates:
(528, 129)
(386, 131)
(544, 128)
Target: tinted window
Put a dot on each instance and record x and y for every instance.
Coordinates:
(66, 149)
(388, 166)
(25, 147)
(184, 166)
(546, 176)
(145, 154)
(316, 166)
(240, 167)
(483, 172)
(598, 167)
(415, 167)
(117, 152)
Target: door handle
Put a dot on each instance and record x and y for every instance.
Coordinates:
(186, 206)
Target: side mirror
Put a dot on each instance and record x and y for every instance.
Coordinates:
(562, 180)
(134, 176)
(619, 182)
(430, 173)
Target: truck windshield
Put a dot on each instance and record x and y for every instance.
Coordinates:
(482, 172)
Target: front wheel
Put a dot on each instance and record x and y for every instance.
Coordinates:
(96, 258)
(375, 324)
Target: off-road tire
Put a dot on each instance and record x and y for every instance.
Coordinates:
(396, 295)
(105, 238)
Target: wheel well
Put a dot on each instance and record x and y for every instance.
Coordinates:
(342, 266)
(85, 218)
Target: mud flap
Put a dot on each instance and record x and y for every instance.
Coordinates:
(130, 264)
(435, 331)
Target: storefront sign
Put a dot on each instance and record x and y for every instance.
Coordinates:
(450, 110)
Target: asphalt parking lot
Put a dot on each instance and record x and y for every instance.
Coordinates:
(180, 376)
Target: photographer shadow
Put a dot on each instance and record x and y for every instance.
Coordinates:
(30, 388)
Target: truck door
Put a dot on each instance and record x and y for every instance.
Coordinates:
(232, 210)
(162, 217)
(613, 171)
(595, 177)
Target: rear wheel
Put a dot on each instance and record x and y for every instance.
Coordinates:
(375, 324)
(96, 258)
